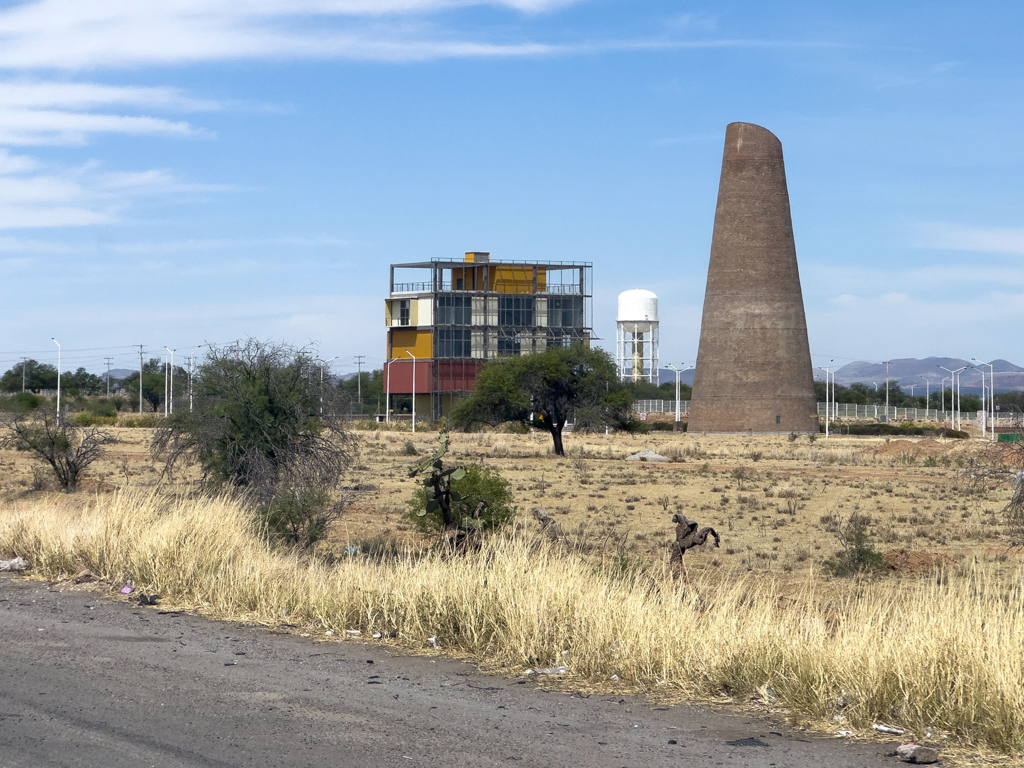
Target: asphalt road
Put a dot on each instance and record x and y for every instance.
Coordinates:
(89, 681)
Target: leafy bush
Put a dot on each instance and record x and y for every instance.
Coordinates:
(478, 484)
(298, 517)
(101, 406)
(21, 402)
(89, 419)
(857, 554)
(262, 424)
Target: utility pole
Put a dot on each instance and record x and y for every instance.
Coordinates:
(58, 377)
(359, 381)
(170, 398)
(190, 383)
(24, 361)
(108, 360)
(140, 378)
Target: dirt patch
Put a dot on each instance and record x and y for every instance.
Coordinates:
(926, 447)
(908, 562)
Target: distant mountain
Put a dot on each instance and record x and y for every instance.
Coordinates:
(120, 373)
(908, 371)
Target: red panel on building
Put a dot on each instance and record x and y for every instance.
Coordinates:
(400, 374)
(457, 375)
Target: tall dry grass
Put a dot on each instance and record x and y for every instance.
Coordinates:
(945, 655)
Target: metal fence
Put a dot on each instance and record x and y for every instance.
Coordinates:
(661, 406)
(845, 411)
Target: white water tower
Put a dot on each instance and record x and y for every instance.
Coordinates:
(636, 338)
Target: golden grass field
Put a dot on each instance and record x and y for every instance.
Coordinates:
(933, 643)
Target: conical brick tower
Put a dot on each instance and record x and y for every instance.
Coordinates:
(753, 368)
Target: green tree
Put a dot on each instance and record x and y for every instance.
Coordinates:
(37, 377)
(262, 424)
(372, 386)
(153, 383)
(545, 390)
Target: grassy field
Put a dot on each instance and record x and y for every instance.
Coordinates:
(757, 620)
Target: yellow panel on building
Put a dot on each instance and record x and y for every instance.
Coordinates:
(517, 279)
(420, 343)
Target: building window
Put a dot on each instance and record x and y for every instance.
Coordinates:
(509, 345)
(515, 311)
(403, 312)
(454, 310)
(559, 339)
(565, 311)
(453, 342)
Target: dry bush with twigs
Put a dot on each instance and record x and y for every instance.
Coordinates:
(940, 653)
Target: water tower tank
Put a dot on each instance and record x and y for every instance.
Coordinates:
(638, 309)
(636, 337)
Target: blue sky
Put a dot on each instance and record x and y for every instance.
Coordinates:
(203, 170)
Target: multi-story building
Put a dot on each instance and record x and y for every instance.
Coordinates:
(446, 318)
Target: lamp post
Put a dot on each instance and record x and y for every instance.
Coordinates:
(954, 394)
(677, 372)
(58, 377)
(887, 391)
(322, 364)
(991, 392)
(387, 391)
(170, 398)
(927, 392)
(410, 354)
(828, 407)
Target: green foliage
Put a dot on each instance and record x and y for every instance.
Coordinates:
(906, 428)
(469, 498)
(478, 484)
(37, 376)
(372, 385)
(90, 419)
(262, 423)
(545, 390)
(297, 517)
(857, 554)
(22, 402)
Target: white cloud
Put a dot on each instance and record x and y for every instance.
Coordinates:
(953, 237)
(15, 163)
(71, 34)
(77, 196)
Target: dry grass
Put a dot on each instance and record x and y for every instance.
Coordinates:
(941, 652)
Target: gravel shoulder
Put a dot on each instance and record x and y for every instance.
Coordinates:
(90, 681)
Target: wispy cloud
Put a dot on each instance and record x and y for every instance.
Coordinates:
(78, 196)
(953, 237)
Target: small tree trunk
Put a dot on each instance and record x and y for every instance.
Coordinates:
(556, 436)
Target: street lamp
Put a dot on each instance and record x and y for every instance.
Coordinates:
(954, 394)
(387, 391)
(927, 392)
(991, 391)
(322, 364)
(677, 372)
(828, 408)
(170, 398)
(410, 354)
(58, 377)
(887, 391)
